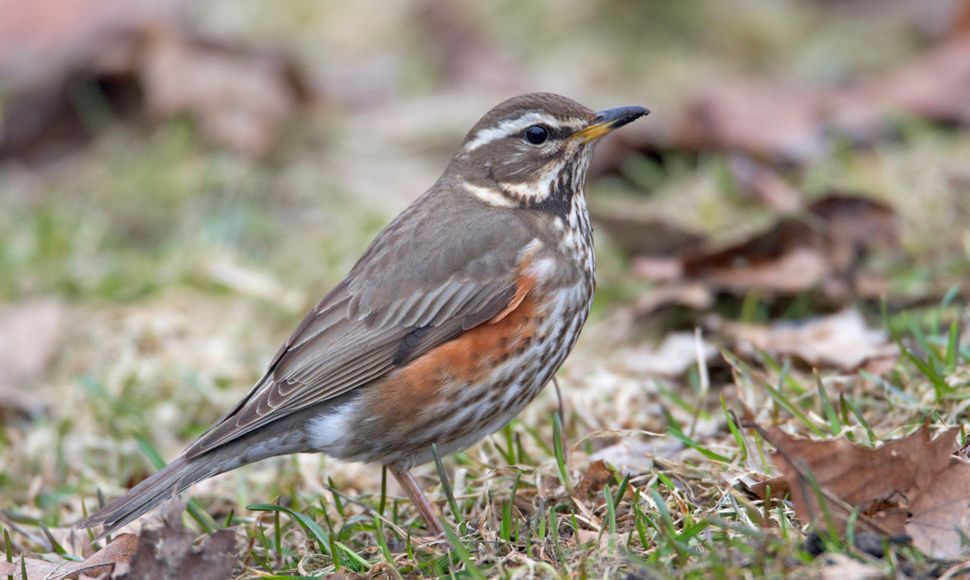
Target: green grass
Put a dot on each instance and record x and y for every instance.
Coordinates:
(182, 269)
(516, 509)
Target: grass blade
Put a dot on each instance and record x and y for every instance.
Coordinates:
(446, 484)
(461, 551)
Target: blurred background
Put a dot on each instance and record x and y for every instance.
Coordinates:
(181, 181)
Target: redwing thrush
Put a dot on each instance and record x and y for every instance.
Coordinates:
(452, 321)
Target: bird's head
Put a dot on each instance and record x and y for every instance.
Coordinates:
(533, 150)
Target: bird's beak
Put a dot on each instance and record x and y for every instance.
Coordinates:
(609, 119)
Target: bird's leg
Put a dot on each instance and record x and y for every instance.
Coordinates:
(424, 506)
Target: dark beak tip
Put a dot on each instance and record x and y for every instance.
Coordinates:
(619, 116)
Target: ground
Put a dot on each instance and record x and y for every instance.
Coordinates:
(161, 271)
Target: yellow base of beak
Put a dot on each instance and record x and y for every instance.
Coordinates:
(593, 132)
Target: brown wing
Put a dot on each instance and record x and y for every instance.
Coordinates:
(425, 279)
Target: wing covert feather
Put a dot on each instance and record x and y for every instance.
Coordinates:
(406, 295)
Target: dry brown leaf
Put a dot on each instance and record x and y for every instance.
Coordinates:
(135, 55)
(772, 487)
(767, 121)
(35, 568)
(634, 457)
(935, 86)
(111, 559)
(820, 248)
(637, 234)
(763, 184)
(239, 96)
(677, 353)
(842, 340)
(695, 296)
(44, 40)
(850, 476)
(790, 124)
(169, 551)
(596, 475)
(940, 512)
(960, 21)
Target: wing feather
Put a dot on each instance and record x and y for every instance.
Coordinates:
(396, 304)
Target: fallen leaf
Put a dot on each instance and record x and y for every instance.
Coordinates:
(111, 559)
(239, 96)
(595, 476)
(764, 184)
(940, 520)
(635, 457)
(822, 247)
(851, 476)
(170, 551)
(841, 339)
(637, 234)
(695, 296)
(764, 488)
(794, 124)
(772, 122)
(134, 56)
(678, 352)
(934, 86)
(35, 568)
(960, 21)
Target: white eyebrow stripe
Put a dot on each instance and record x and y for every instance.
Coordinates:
(513, 126)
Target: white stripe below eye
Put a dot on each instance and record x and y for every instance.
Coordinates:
(513, 126)
(490, 196)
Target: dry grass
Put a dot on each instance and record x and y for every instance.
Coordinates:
(180, 269)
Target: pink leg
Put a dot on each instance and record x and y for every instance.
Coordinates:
(424, 506)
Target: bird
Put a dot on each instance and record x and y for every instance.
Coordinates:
(454, 318)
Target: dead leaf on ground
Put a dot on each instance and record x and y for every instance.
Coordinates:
(637, 234)
(762, 183)
(112, 559)
(30, 334)
(940, 520)
(764, 120)
(795, 124)
(240, 96)
(694, 295)
(128, 57)
(635, 457)
(170, 551)
(913, 485)
(934, 86)
(678, 352)
(841, 339)
(596, 475)
(763, 487)
(822, 247)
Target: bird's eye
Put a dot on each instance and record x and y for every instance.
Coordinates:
(536, 134)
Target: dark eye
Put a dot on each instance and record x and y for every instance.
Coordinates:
(536, 134)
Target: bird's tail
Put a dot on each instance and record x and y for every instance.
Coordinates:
(175, 478)
(149, 493)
